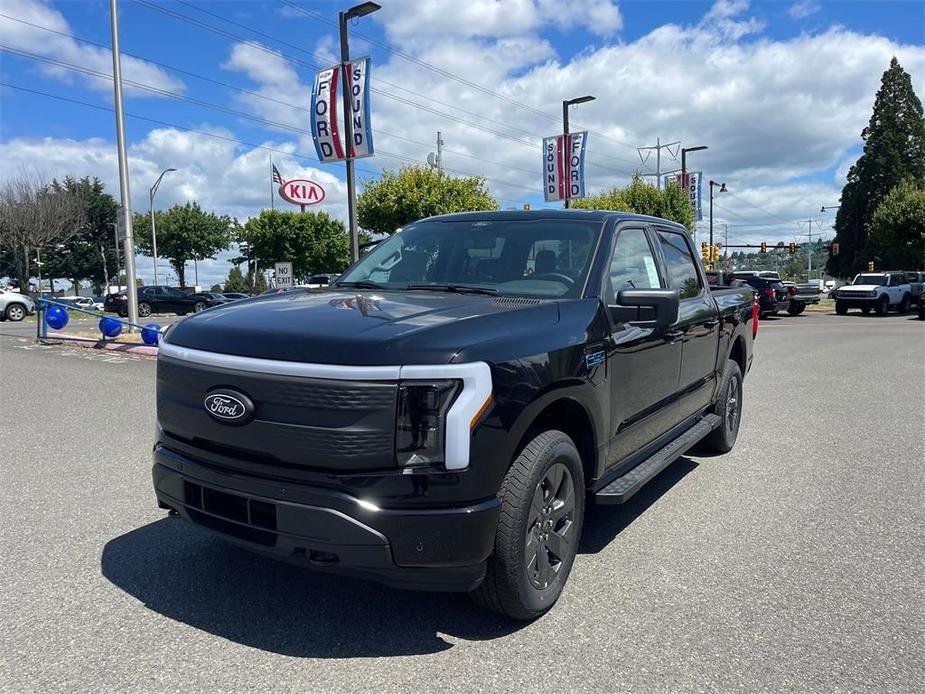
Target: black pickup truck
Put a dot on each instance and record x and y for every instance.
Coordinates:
(439, 417)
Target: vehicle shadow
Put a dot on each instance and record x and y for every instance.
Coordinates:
(192, 576)
(603, 523)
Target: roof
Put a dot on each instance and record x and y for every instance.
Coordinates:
(549, 213)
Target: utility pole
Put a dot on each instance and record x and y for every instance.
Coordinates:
(130, 293)
(360, 10)
(722, 189)
(440, 144)
(658, 147)
(809, 250)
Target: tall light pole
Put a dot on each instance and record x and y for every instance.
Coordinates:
(151, 193)
(565, 104)
(124, 191)
(722, 189)
(684, 151)
(360, 10)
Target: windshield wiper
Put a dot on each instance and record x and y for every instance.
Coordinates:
(361, 284)
(455, 288)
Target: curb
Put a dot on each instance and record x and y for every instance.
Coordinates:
(87, 342)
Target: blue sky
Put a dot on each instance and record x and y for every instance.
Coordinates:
(778, 90)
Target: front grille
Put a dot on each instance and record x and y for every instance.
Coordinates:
(298, 422)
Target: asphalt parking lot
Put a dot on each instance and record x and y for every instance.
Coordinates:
(793, 563)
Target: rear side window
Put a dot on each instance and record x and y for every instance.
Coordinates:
(682, 272)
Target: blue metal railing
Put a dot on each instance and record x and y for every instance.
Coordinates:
(42, 305)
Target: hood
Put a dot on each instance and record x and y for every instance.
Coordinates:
(360, 328)
(849, 288)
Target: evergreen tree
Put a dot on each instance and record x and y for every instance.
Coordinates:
(894, 149)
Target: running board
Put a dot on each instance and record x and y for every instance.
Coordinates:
(622, 488)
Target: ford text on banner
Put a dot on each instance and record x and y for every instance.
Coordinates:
(325, 126)
(358, 80)
(564, 166)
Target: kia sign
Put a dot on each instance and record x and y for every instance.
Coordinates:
(325, 123)
(301, 191)
(564, 166)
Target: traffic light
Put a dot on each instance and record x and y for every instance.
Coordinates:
(792, 247)
(764, 247)
(716, 253)
(705, 252)
(870, 266)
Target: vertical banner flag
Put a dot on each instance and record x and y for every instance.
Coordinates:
(564, 166)
(358, 81)
(693, 186)
(325, 126)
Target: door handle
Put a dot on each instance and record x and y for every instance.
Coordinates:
(712, 323)
(674, 335)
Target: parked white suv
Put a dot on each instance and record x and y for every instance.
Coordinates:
(876, 291)
(15, 306)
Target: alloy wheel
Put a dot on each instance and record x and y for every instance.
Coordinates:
(551, 536)
(732, 406)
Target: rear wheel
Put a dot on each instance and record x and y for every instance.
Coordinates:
(840, 308)
(144, 309)
(883, 306)
(199, 306)
(729, 408)
(796, 309)
(542, 506)
(15, 312)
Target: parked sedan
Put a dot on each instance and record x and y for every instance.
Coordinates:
(15, 306)
(235, 296)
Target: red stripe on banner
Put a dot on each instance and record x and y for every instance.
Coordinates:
(568, 167)
(335, 127)
(559, 166)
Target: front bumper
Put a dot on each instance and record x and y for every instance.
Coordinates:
(419, 549)
(857, 301)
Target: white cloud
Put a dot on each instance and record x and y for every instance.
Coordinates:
(803, 9)
(62, 48)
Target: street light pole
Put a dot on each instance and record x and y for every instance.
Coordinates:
(565, 104)
(722, 189)
(151, 193)
(131, 295)
(360, 10)
(684, 151)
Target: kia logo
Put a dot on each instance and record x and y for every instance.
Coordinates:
(301, 191)
(229, 407)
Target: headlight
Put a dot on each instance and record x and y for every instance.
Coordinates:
(420, 425)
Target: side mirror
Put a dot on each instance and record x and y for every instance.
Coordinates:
(656, 308)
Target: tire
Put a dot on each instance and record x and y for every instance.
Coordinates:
(16, 312)
(729, 408)
(840, 308)
(144, 309)
(883, 306)
(199, 306)
(865, 310)
(525, 575)
(905, 304)
(796, 310)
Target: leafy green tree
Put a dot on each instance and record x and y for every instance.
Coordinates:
(216, 288)
(641, 198)
(897, 228)
(894, 149)
(184, 233)
(312, 241)
(90, 254)
(415, 192)
(236, 281)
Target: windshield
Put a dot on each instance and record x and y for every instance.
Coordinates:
(546, 258)
(878, 280)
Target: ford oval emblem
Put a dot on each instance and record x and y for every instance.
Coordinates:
(229, 407)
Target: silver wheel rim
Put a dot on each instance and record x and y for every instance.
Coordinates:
(733, 404)
(550, 539)
(199, 306)
(16, 313)
(144, 310)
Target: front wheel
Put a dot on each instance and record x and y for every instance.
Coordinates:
(865, 310)
(144, 309)
(840, 308)
(542, 507)
(729, 408)
(199, 306)
(15, 312)
(796, 310)
(883, 306)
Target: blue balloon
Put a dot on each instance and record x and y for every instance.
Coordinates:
(56, 317)
(151, 333)
(110, 327)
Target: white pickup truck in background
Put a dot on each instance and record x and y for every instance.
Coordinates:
(877, 291)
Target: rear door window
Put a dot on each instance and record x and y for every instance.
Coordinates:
(682, 270)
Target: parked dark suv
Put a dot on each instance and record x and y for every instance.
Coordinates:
(161, 299)
(773, 296)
